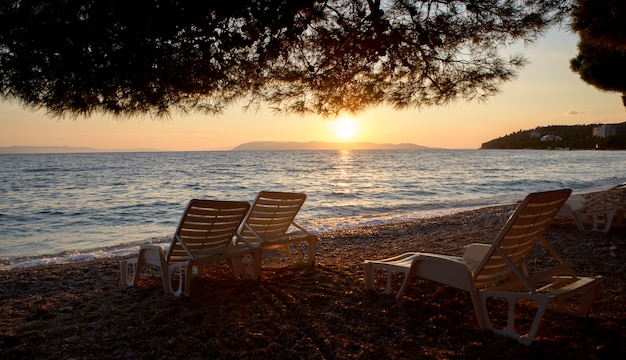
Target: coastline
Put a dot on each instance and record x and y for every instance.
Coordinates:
(129, 249)
(79, 310)
(75, 206)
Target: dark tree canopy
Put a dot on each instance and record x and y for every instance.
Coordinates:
(601, 59)
(602, 67)
(601, 23)
(125, 57)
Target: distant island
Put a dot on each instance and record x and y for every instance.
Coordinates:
(250, 146)
(317, 145)
(570, 137)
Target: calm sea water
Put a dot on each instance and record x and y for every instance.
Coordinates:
(71, 207)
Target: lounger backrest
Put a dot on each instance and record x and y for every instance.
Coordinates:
(205, 227)
(611, 198)
(505, 261)
(271, 214)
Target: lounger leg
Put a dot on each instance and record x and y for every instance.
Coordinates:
(256, 265)
(405, 263)
(542, 305)
(287, 252)
(247, 266)
(131, 268)
(511, 298)
(368, 270)
(408, 276)
(150, 255)
(312, 250)
(128, 272)
(579, 223)
(302, 258)
(602, 218)
(185, 273)
(368, 275)
(587, 293)
(607, 221)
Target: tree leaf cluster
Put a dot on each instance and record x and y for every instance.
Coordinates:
(124, 58)
(601, 25)
(573, 137)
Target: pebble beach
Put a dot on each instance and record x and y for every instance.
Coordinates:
(80, 310)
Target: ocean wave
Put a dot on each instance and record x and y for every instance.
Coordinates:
(315, 226)
(90, 203)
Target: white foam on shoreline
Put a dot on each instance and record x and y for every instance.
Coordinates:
(331, 224)
(315, 226)
(74, 257)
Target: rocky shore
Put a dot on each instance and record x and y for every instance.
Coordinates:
(79, 311)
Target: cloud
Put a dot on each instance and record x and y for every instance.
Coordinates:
(574, 112)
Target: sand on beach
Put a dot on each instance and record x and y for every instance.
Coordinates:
(81, 311)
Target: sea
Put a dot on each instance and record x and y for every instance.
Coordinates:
(60, 208)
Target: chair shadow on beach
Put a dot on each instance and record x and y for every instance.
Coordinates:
(499, 274)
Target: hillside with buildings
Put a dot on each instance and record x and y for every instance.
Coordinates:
(572, 137)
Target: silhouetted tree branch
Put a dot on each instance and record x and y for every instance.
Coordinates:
(124, 57)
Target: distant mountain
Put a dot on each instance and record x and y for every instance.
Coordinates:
(316, 145)
(251, 146)
(60, 150)
(573, 137)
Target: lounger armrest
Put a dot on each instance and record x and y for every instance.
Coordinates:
(225, 252)
(251, 229)
(300, 228)
(449, 270)
(180, 265)
(476, 252)
(150, 246)
(240, 239)
(575, 203)
(151, 254)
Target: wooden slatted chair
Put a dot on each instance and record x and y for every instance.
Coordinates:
(205, 234)
(500, 270)
(270, 223)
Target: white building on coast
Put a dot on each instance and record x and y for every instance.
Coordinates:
(603, 131)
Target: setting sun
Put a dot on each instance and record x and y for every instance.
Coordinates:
(345, 128)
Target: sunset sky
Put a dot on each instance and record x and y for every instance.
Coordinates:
(545, 93)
